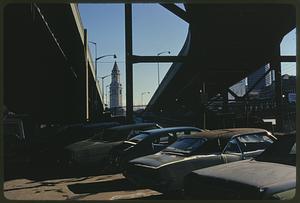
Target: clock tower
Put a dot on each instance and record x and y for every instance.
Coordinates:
(115, 88)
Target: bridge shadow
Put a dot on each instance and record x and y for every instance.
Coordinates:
(103, 186)
(50, 172)
(162, 197)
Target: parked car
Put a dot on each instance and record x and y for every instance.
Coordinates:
(147, 142)
(165, 170)
(77, 132)
(272, 175)
(95, 151)
(49, 147)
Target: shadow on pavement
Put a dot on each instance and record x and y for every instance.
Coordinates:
(103, 186)
(152, 196)
(48, 172)
(161, 197)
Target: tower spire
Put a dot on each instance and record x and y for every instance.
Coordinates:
(115, 87)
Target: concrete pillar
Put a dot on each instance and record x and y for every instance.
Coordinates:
(129, 64)
(204, 102)
(86, 72)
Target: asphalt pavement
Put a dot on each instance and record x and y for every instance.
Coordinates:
(46, 183)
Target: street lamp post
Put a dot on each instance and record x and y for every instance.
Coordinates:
(142, 94)
(158, 80)
(100, 57)
(102, 79)
(96, 67)
(94, 43)
(106, 93)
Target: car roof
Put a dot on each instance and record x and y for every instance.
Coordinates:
(89, 125)
(103, 124)
(132, 126)
(171, 129)
(226, 133)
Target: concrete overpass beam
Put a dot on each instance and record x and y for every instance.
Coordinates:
(161, 59)
(129, 63)
(86, 72)
(177, 11)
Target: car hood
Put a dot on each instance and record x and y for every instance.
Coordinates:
(253, 173)
(90, 144)
(157, 160)
(125, 145)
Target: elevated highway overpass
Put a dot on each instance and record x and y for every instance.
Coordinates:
(225, 43)
(49, 74)
(48, 69)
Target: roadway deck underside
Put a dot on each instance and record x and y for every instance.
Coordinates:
(227, 42)
(44, 63)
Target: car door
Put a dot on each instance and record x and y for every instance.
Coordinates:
(232, 151)
(253, 145)
(209, 154)
(161, 141)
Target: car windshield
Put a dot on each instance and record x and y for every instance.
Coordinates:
(282, 151)
(139, 137)
(98, 135)
(115, 135)
(111, 135)
(186, 145)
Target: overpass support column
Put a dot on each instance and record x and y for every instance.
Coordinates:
(86, 77)
(129, 63)
(276, 66)
(204, 103)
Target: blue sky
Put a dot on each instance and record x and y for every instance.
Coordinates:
(155, 29)
(288, 47)
(163, 32)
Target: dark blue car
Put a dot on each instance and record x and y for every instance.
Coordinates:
(146, 143)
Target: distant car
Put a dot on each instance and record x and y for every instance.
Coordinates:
(51, 147)
(95, 151)
(78, 132)
(272, 175)
(165, 171)
(147, 142)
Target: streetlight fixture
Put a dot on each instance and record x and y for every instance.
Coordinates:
(96, 68)
(158, 80)
(95, 62)
(100, 57)
(142, 94)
